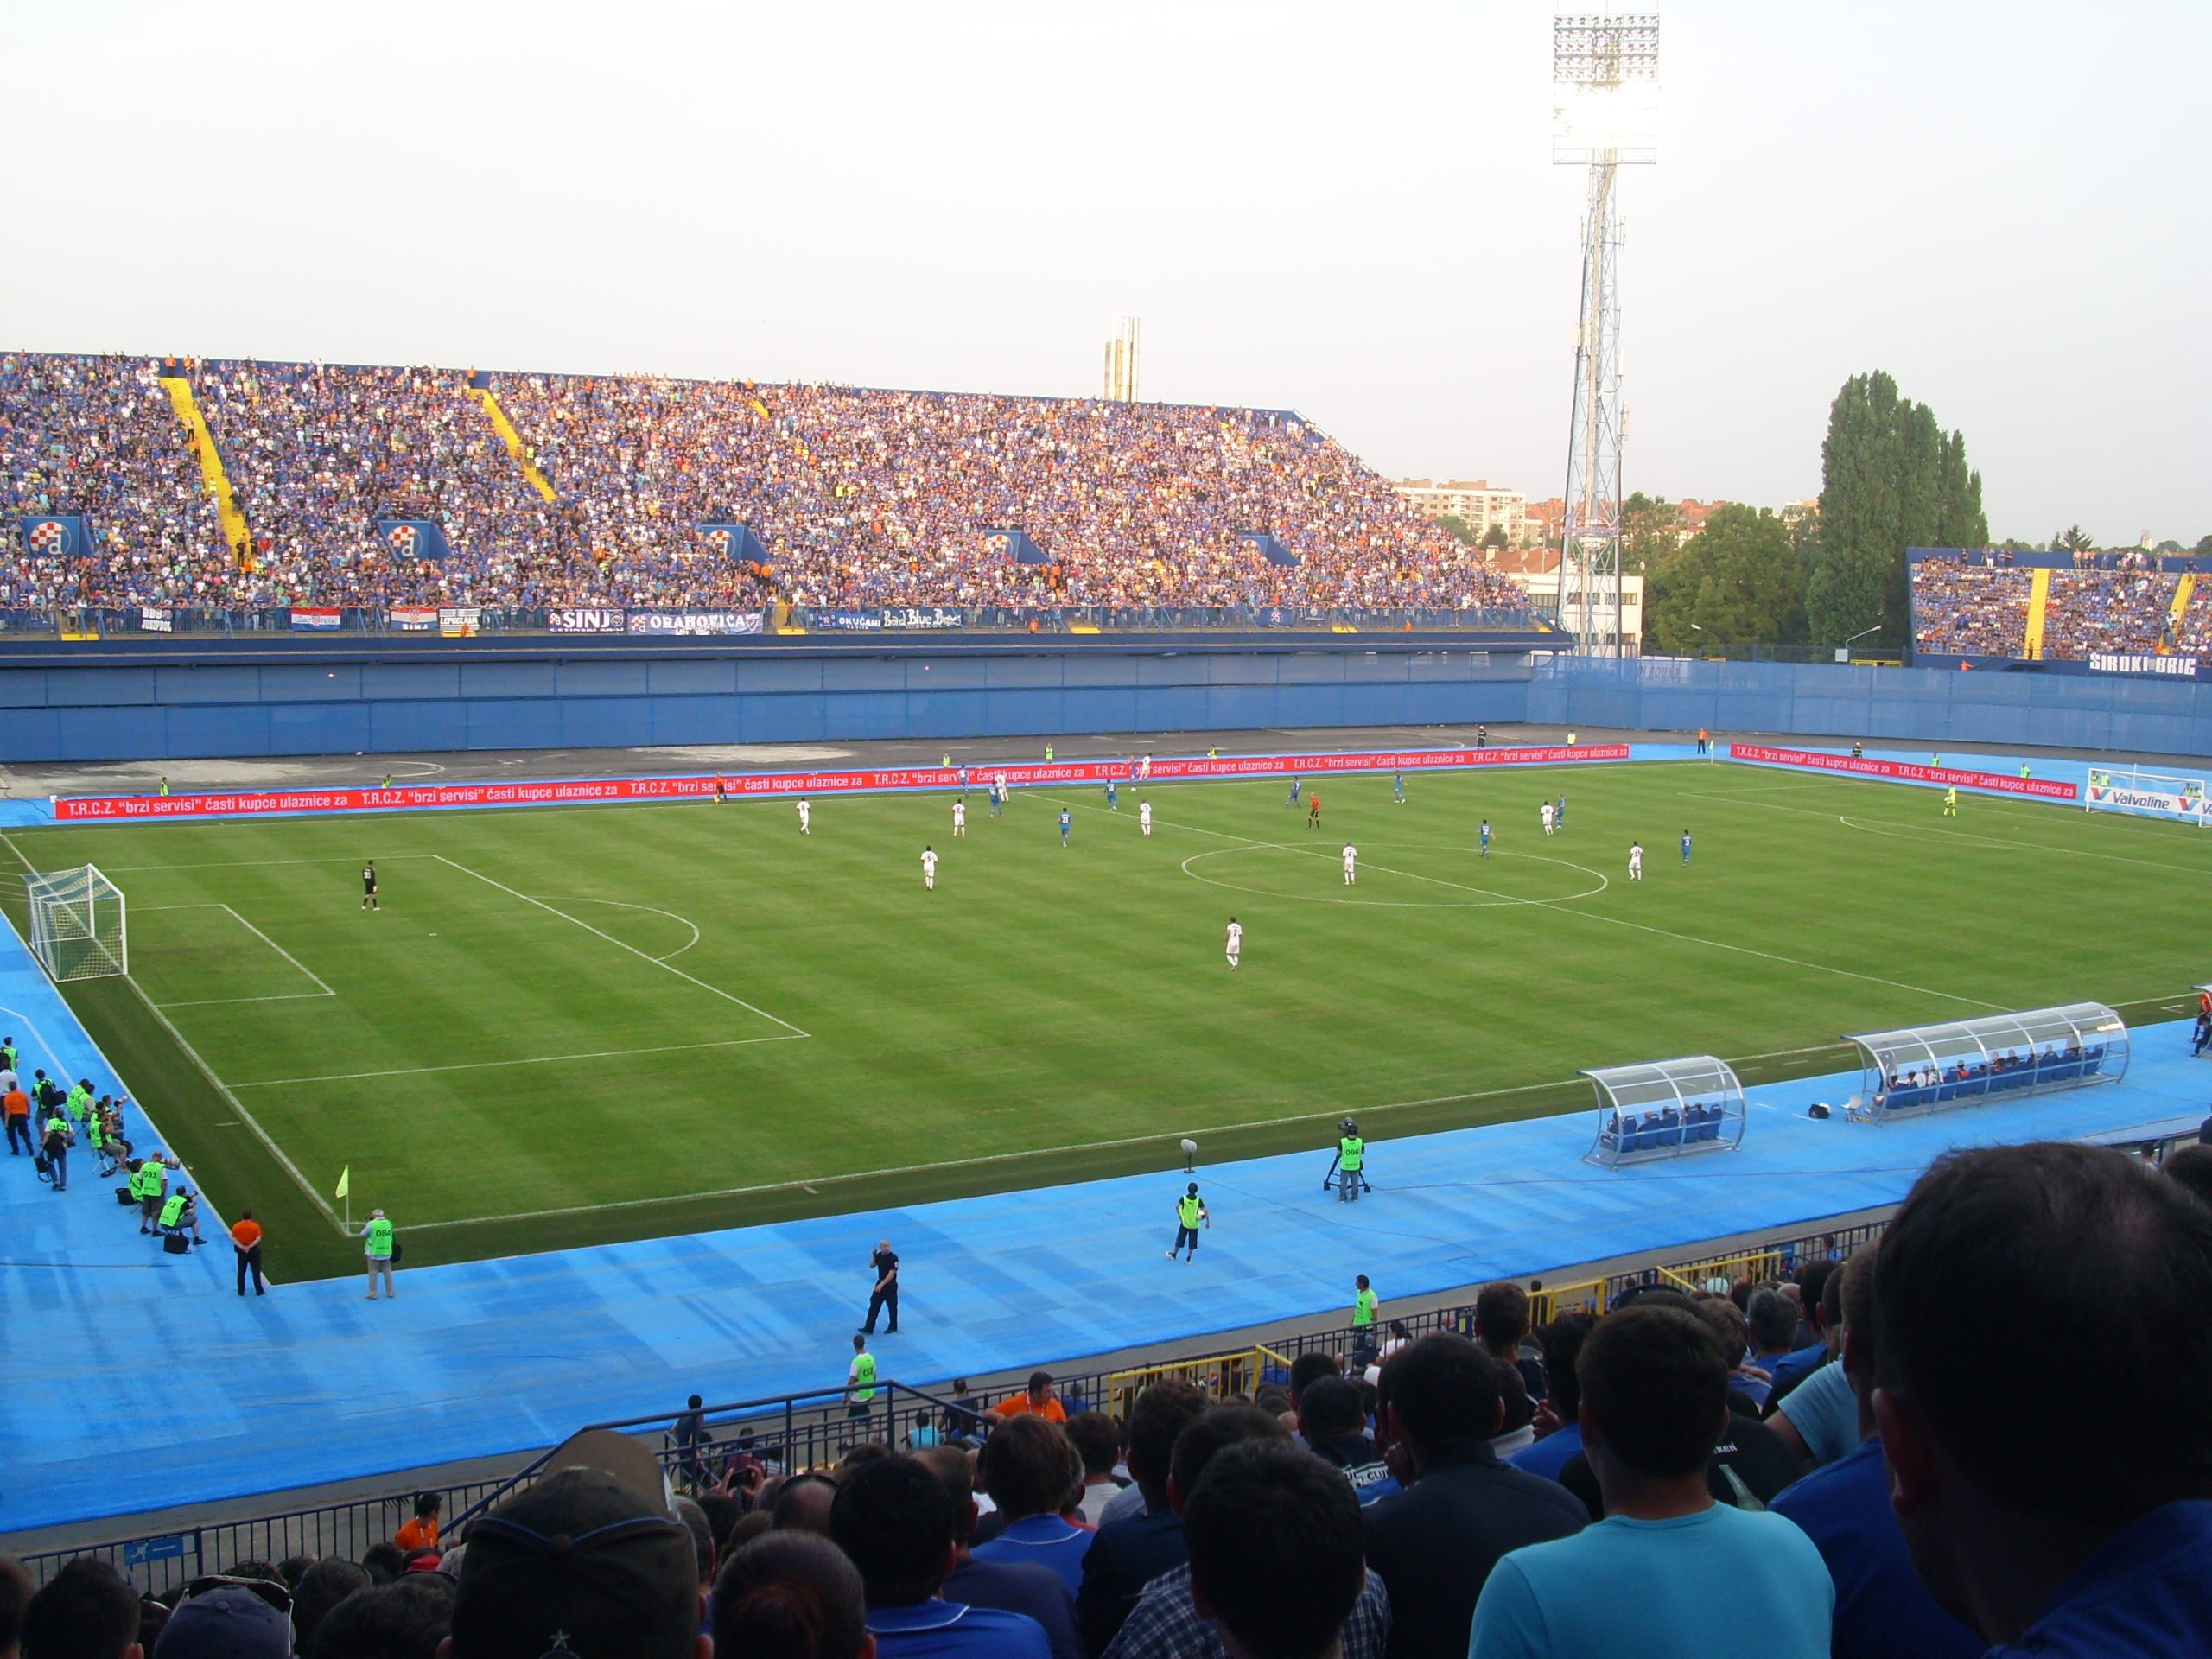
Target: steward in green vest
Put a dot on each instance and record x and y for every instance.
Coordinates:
(79, 1102)
(173, 1208)
(1364, 1305)
(1190, 1216)
(378, 1234)
(860, 1380)
(1350, 1161)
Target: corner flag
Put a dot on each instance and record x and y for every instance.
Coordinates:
(344, 1183)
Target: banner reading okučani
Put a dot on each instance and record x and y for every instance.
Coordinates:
(1821, 760)
(586, 791)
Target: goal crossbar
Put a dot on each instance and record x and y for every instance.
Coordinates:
(77, 923)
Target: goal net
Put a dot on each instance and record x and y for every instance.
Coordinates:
(77, 923)
(2146, 794)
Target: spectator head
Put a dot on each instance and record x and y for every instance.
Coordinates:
(1442, 1392)
(722, 1513)
(1655, 1398)
(406, 1620)
(428, 1505)
(87, 1611)
(216, 1619)
(693, 1403)
(703, 1539)
(1563, 1338)
(1309, 1369)
(791, 1595)
(1277, 1554)
(1812, 1285)
(1773, 1320)
(2192, 1167)
(15, 1589)
(383, 1563)
(895, 1519)
(1040, 1388)
(1999, 1491)
(1729, 1325)
(321, 1587)
(1162, 1411)
(1027, 1467)
(802, 1502)
(1197, 1445)
(1500, 1316)
(292, 1569)
(593, 1549)
(1097, 1440)
(957, 1471)
(1332, 1411)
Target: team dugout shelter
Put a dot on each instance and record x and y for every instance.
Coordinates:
(1665, 1109)
(1921, 1069)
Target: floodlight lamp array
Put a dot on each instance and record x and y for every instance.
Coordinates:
(1591, 50)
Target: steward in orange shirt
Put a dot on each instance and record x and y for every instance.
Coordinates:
(1039, 1398)
(245, 1239)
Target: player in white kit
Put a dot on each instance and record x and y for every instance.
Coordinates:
(1144, 816)
(1636, 861)
(805, 816)
(929, 868)
(959, 819)
(1235, 943)
(1352, 865)
(1547, 818)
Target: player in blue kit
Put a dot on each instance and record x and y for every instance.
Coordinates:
(1292, 801)
(1398, 786)
(1685, 847)
(1485, 838)
(1113, 799)
(1067, 823)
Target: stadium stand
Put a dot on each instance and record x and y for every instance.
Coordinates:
(1969, 609)
(2118, 610)
(97, 435)
(860, 498)
(1983, 604)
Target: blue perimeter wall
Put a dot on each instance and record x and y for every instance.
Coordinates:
(107, 709)
(2120, 712)
(104, 706)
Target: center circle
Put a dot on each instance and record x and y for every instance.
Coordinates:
(1462, 886)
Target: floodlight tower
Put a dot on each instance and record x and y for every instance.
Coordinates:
(1604, 117)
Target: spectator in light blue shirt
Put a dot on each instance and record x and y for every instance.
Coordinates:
(894, 1519)
(1668, 1573)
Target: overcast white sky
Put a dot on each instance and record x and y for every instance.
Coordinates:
(1346, 209)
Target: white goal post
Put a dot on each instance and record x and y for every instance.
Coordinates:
(2146, 794)
(78, 928)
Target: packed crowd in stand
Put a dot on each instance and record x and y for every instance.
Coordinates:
(869, 497)
(1971, 610)
(1851, 1463)
(858, 498)
(97, 435)
(2106, 610)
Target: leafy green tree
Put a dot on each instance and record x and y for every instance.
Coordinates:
(1650, 529)
(1891, 479)
(1457, 528)
(2204, 544)
(2073, 539)
(1494, 537)
(1739, 581)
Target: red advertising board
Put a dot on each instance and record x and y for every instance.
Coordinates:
(585, 790)
(2044, 789)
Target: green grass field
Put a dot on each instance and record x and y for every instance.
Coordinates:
(568, 1027)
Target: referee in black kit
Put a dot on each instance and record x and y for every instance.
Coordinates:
(885, 1264)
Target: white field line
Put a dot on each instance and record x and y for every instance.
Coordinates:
(1565, 909)
(812, 1183)
(641, 955)
(533, 1059)
(250, 864)
(321, 990)
(651, 910)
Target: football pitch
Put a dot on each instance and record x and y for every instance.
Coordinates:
(566, 1027)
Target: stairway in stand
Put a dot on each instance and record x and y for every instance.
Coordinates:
(213, 477)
